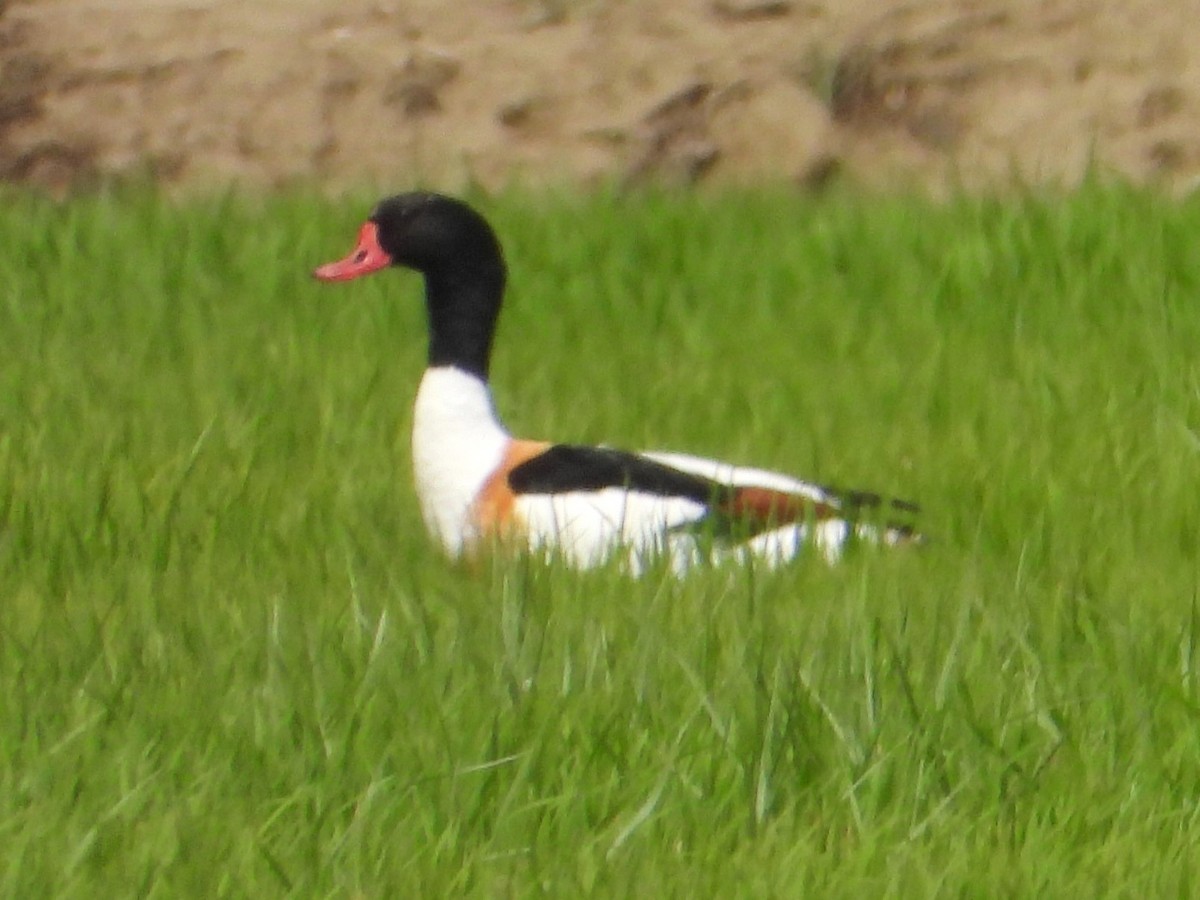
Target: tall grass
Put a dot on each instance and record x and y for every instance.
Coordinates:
(231, 662)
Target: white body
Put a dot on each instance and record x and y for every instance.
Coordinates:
(458, 443)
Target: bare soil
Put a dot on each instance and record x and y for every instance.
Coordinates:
(439, 92)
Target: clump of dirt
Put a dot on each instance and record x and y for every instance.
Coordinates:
(682, 91)
(24, 74)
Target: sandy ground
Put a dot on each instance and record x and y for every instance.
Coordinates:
(439, 92)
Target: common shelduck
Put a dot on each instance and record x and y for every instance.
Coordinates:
(478, 484)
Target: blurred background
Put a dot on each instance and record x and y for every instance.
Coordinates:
(936, 92)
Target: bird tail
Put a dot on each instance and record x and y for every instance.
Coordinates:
(879, 519)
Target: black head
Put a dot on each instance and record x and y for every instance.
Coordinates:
(431, 233)
(456, 250)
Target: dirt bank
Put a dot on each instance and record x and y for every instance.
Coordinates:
(427, 91)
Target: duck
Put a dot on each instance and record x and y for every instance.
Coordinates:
(479, 487)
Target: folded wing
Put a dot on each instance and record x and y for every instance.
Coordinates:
(588, 500)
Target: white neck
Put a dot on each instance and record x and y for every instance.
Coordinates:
(457, 444)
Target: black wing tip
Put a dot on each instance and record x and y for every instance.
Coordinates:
(854, 500)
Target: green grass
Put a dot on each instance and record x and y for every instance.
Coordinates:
(231, 662)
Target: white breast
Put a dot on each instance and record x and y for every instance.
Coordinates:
(457, 444)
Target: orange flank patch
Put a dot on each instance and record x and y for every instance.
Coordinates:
(762, 508)
(493, 509)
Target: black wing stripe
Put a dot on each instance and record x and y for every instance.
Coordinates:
(568, 467)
